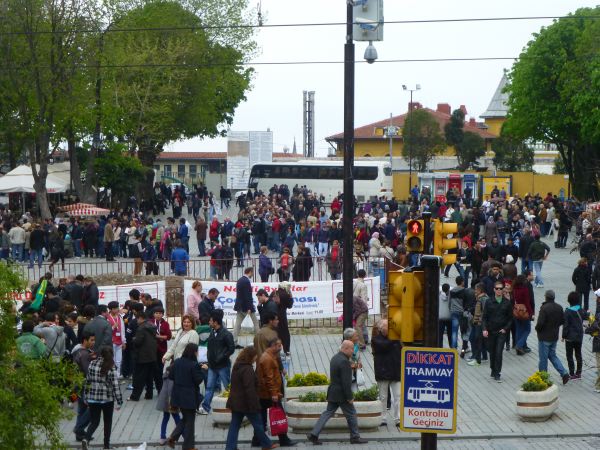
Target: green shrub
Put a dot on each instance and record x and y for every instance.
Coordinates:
(367, 395)
(32, 390)
(310, 379)
(313, 397)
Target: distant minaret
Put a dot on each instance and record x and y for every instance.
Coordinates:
(294, 149)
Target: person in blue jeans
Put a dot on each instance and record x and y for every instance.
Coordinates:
(244, 401)
(220, 347)
(456, 309)
(82, 356)
(550, 319)
(538, 252)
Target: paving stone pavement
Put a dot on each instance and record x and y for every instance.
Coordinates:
(486, 416)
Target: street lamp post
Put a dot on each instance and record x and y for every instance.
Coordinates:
(348, 205)
(410, 109)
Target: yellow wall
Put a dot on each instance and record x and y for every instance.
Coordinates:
(495, 125)
(530, 183)
(401, 189)
(522, 183)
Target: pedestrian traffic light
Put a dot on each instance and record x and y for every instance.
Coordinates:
(415, 233)
(441, 242)
(405, 305)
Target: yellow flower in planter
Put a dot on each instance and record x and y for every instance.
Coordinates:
(539, 381)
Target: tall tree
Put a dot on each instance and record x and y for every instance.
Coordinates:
(469, 147)
(40, 48)
(554, 96)
(422, 139)
(167, 84)
(512, 155)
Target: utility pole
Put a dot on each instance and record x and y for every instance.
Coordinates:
(348, 206)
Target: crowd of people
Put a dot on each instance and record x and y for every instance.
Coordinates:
(131, 346)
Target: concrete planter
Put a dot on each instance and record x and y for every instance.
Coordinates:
(221, 416)
(304, 416)
(292, 393)
(537, 406)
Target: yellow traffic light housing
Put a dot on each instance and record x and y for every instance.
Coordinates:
(405, 306)
(415, 236)
(441, 242)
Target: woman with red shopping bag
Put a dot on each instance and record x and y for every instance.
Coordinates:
(270, 392)
(243, 401)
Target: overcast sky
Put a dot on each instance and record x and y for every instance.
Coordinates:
(275, 100)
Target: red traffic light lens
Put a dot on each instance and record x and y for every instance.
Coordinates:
(414, 227)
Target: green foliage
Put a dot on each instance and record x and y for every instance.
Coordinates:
(313, 397)
(367, 395)
(554, 89)
(539, 381)
(31, 390)
(117, 170)
(154, 106)
(422, 139)
(559, 166)
(468, 146)
(310, 379)
(512, 155)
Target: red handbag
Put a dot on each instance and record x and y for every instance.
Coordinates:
(277, 421)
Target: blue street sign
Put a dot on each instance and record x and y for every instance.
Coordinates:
(429, 388)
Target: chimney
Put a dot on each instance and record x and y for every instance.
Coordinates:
(472, 122)
(444, 108)
(463, 108)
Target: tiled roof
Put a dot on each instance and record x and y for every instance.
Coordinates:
(287, 155)
(191, 155)
(498, 105)
(368, 131)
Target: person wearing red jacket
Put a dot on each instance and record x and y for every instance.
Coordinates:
(522, 296)
(163, 335)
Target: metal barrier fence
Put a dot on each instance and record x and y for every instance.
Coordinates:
(196, 268)
(201, 269)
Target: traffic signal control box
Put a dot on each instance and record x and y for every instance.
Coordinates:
(415, 236)
(442, 243)
(406, 305)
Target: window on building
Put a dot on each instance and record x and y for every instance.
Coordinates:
(193, 170)
(181, 171)
(167, 169)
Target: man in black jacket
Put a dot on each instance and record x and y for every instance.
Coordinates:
(339, 395)
(145, 354)
(220, 348)
(36, 244)
(550, 319)
(266, 305)
(207, 305)
(73, 292)
(244, 305)
(496, 323)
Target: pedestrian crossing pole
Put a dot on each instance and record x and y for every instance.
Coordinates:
(431, 266)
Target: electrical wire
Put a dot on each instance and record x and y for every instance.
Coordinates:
(292, 25)
(264, 63)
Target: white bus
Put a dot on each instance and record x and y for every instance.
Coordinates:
(372, 179)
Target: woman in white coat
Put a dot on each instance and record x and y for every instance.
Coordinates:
(185, 335)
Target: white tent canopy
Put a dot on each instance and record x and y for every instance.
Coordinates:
(20, 179)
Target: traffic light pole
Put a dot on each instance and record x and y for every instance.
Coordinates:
(348, 206)
(431, 267)
(427, 232)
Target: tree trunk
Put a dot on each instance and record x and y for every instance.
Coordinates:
(39, 176)
(585, 173)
